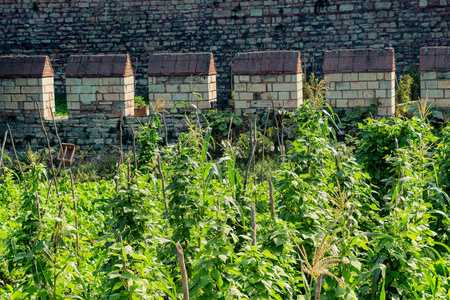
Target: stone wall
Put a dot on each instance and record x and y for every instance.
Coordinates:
(94, 131)
(26, 85)
(174, 78)
(100, 84)
(267, 79)
(360, 78)
(435, 76)
(141, 28)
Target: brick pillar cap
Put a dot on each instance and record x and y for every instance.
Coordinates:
(181, 64)
(359, 61)
(21, 66)
(267, 62)
(434, 59)
(93, 66)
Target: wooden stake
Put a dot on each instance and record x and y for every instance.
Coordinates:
(134, 147)
(14, 148)
(76, 214)
(272, 205)
(263, 146)
(38, 209)
(1, 154)
(161, 174)
(184, 279)
(253, 224)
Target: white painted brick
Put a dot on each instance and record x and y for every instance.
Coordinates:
(128, 80)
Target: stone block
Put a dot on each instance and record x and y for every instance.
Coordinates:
(381, 94)
(255, 78)
(128, 80)
(284, 96)
(108, 97)
(334, 95)
(359, 85)
(8, 82)
(245, 96)
(173, 88)
(350, 95)
(73, 81)
(13, 89)
(435, 93)
(280, 87)
(11, 105)
(111, 81)
(180, 97)
(269, 96)
(333, 77)
(21, 81)
(87, 98)
(118, 89)
(356, 102)
(18, 97)
(29, 106)
(350, 77)
(386, 85)
(373, 85)
(368, 94)
(443, 84)
(292, 104)
(367, 76)
(428, 75)
(260, 104)
(270, 78)
(73, 98)
(340, 86)
(156, 88)
(243, 78)
(257, 87)
(341, 103)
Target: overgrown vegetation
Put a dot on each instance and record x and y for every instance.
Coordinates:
(360, 217)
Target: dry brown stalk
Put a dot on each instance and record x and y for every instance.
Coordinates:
(134, 147)
(76, 214)
(1, 153)
(161, 174)
(264, 146)
(320, 264)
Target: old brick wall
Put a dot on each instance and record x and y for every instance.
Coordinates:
(61, 28)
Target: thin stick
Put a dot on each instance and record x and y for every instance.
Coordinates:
(350, 215)
(165, 129)
(121, 148)
(255, 142)
(14, 148)
(248, 169)
(46, 137)
(38, 209)
(118, 174)
(76, 214)
(56, 129)
(184, 279)
(134, 147)
(282, 134)
(253, 209)
(278, 128)
(123, 260)
(336, 161)
(1, 154)
(229, 130)
(272, 205)
(54, 178)
(263, 146)
(319, 287)
(161, 174)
